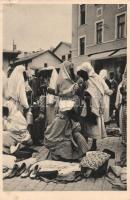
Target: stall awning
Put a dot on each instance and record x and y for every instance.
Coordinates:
(121, 52)
(100, 56)
(49, 68)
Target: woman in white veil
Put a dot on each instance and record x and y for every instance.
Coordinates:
(107, 92)
(16, 129)
(52, 100)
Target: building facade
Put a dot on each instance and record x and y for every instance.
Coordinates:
(63, 51)
(99, 34)
(39, 60)
(45, 60)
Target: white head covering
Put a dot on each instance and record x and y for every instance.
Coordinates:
(52, 85)
(124, 78)
(87, 67)
(16, 86)
(103, 74)
(78, 68)
(94, 78)
(65, 71)
(65, 84)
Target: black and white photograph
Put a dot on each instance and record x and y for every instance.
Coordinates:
(64, 97)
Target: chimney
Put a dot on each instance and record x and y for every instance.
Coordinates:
(14, 46)
(25, 53)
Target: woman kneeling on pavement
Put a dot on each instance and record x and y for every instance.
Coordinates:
(15, 131)
(62, 136)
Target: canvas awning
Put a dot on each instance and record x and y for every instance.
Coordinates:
(100, 56)
(121, 52)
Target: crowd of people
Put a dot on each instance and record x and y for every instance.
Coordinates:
(63, 112)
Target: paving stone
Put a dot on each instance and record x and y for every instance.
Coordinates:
(40, 186)
(50, 186)
(69, 187)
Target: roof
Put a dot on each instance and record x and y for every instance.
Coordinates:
(66, 43)
(11, 55)
(5, 51)
(31, 56)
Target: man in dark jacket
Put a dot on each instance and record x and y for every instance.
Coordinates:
(113, 87)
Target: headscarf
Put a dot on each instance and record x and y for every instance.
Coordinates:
(103, 74)
(16, 86)
(53, 79)
(124, 80)
(87, 67)
(52, 85)
(65, 87)
(118, 96)
(93, 77)
(65, 84)
(94, 88)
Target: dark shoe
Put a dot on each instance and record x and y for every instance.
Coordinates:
(38, 143)
(24, 153)
(108, 122)
(111, 153)
(21, 169)
(14, 171)
(121, 163)
(118, 163)
(5, 169)
(93, 148)
(48, 174)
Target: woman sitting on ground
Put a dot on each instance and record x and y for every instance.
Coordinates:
(62, 136)
(16, 127)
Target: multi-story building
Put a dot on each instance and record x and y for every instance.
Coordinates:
(99, 34)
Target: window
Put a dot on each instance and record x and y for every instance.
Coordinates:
(82, 46)
(69, 56)
(99, 12)
(121, 6)
(121, 26)
(45, 65)
(99, 32)
(82, 14)
(26, 66)
(63, 58)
